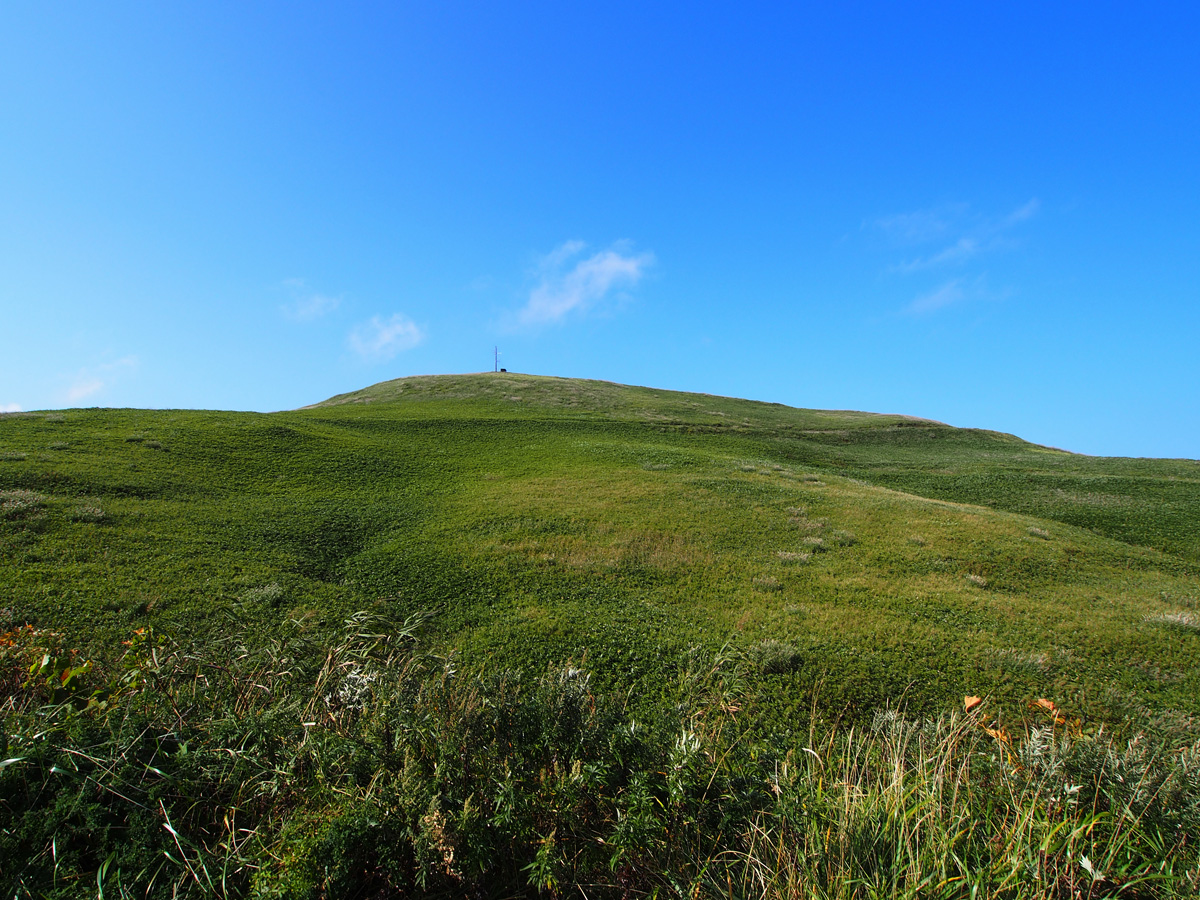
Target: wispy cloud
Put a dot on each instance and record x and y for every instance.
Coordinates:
(313, 307)
(569, 284)
(946, 295)
(920, 225)
(957, 253)
(381, 339)
(83, 387)
(9, 407)
(307, 305)
(1021, 213)
(969, 235)
(88, 382)
(950, 240)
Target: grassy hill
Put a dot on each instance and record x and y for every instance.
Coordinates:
(844, 563)
(543, 518)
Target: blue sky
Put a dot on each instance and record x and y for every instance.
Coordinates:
(985, 216)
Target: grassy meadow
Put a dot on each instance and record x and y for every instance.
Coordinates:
(505, 635)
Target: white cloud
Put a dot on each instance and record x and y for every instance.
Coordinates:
(958, 252)
(313, 307)
(9, 407)
(1021, 213)
(949, 293)
(381, 339)
(561, 290)
(83, 387)
(307, 305)
(558, 257)
(970, 234)
(921, 225)
(965, 239)
(94, 379)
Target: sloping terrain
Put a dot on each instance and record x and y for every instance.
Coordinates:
(862, 559)
(502, 636)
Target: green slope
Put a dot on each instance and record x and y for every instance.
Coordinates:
(1149, 502)
(859, 559)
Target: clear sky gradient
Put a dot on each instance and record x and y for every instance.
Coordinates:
(985, 214)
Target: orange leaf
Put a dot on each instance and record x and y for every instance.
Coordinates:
(971, 702)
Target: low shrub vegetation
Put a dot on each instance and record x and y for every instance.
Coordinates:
(365, 765)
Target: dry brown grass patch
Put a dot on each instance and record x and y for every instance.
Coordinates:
(793, 556)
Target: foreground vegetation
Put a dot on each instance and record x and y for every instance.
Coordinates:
(368, 767)
(667, 643)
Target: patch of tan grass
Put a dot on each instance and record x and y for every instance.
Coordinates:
(15, 504)
(1036, 661)
(793, 556)
(842, 538)
(87, 514)
(1184, 621)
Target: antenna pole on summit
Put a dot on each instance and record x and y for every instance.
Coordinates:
(496, 366)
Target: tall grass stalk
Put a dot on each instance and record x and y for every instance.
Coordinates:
(946, 809)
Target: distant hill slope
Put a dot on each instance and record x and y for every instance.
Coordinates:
(1147, 502)
(856, 559)
(540, 395)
